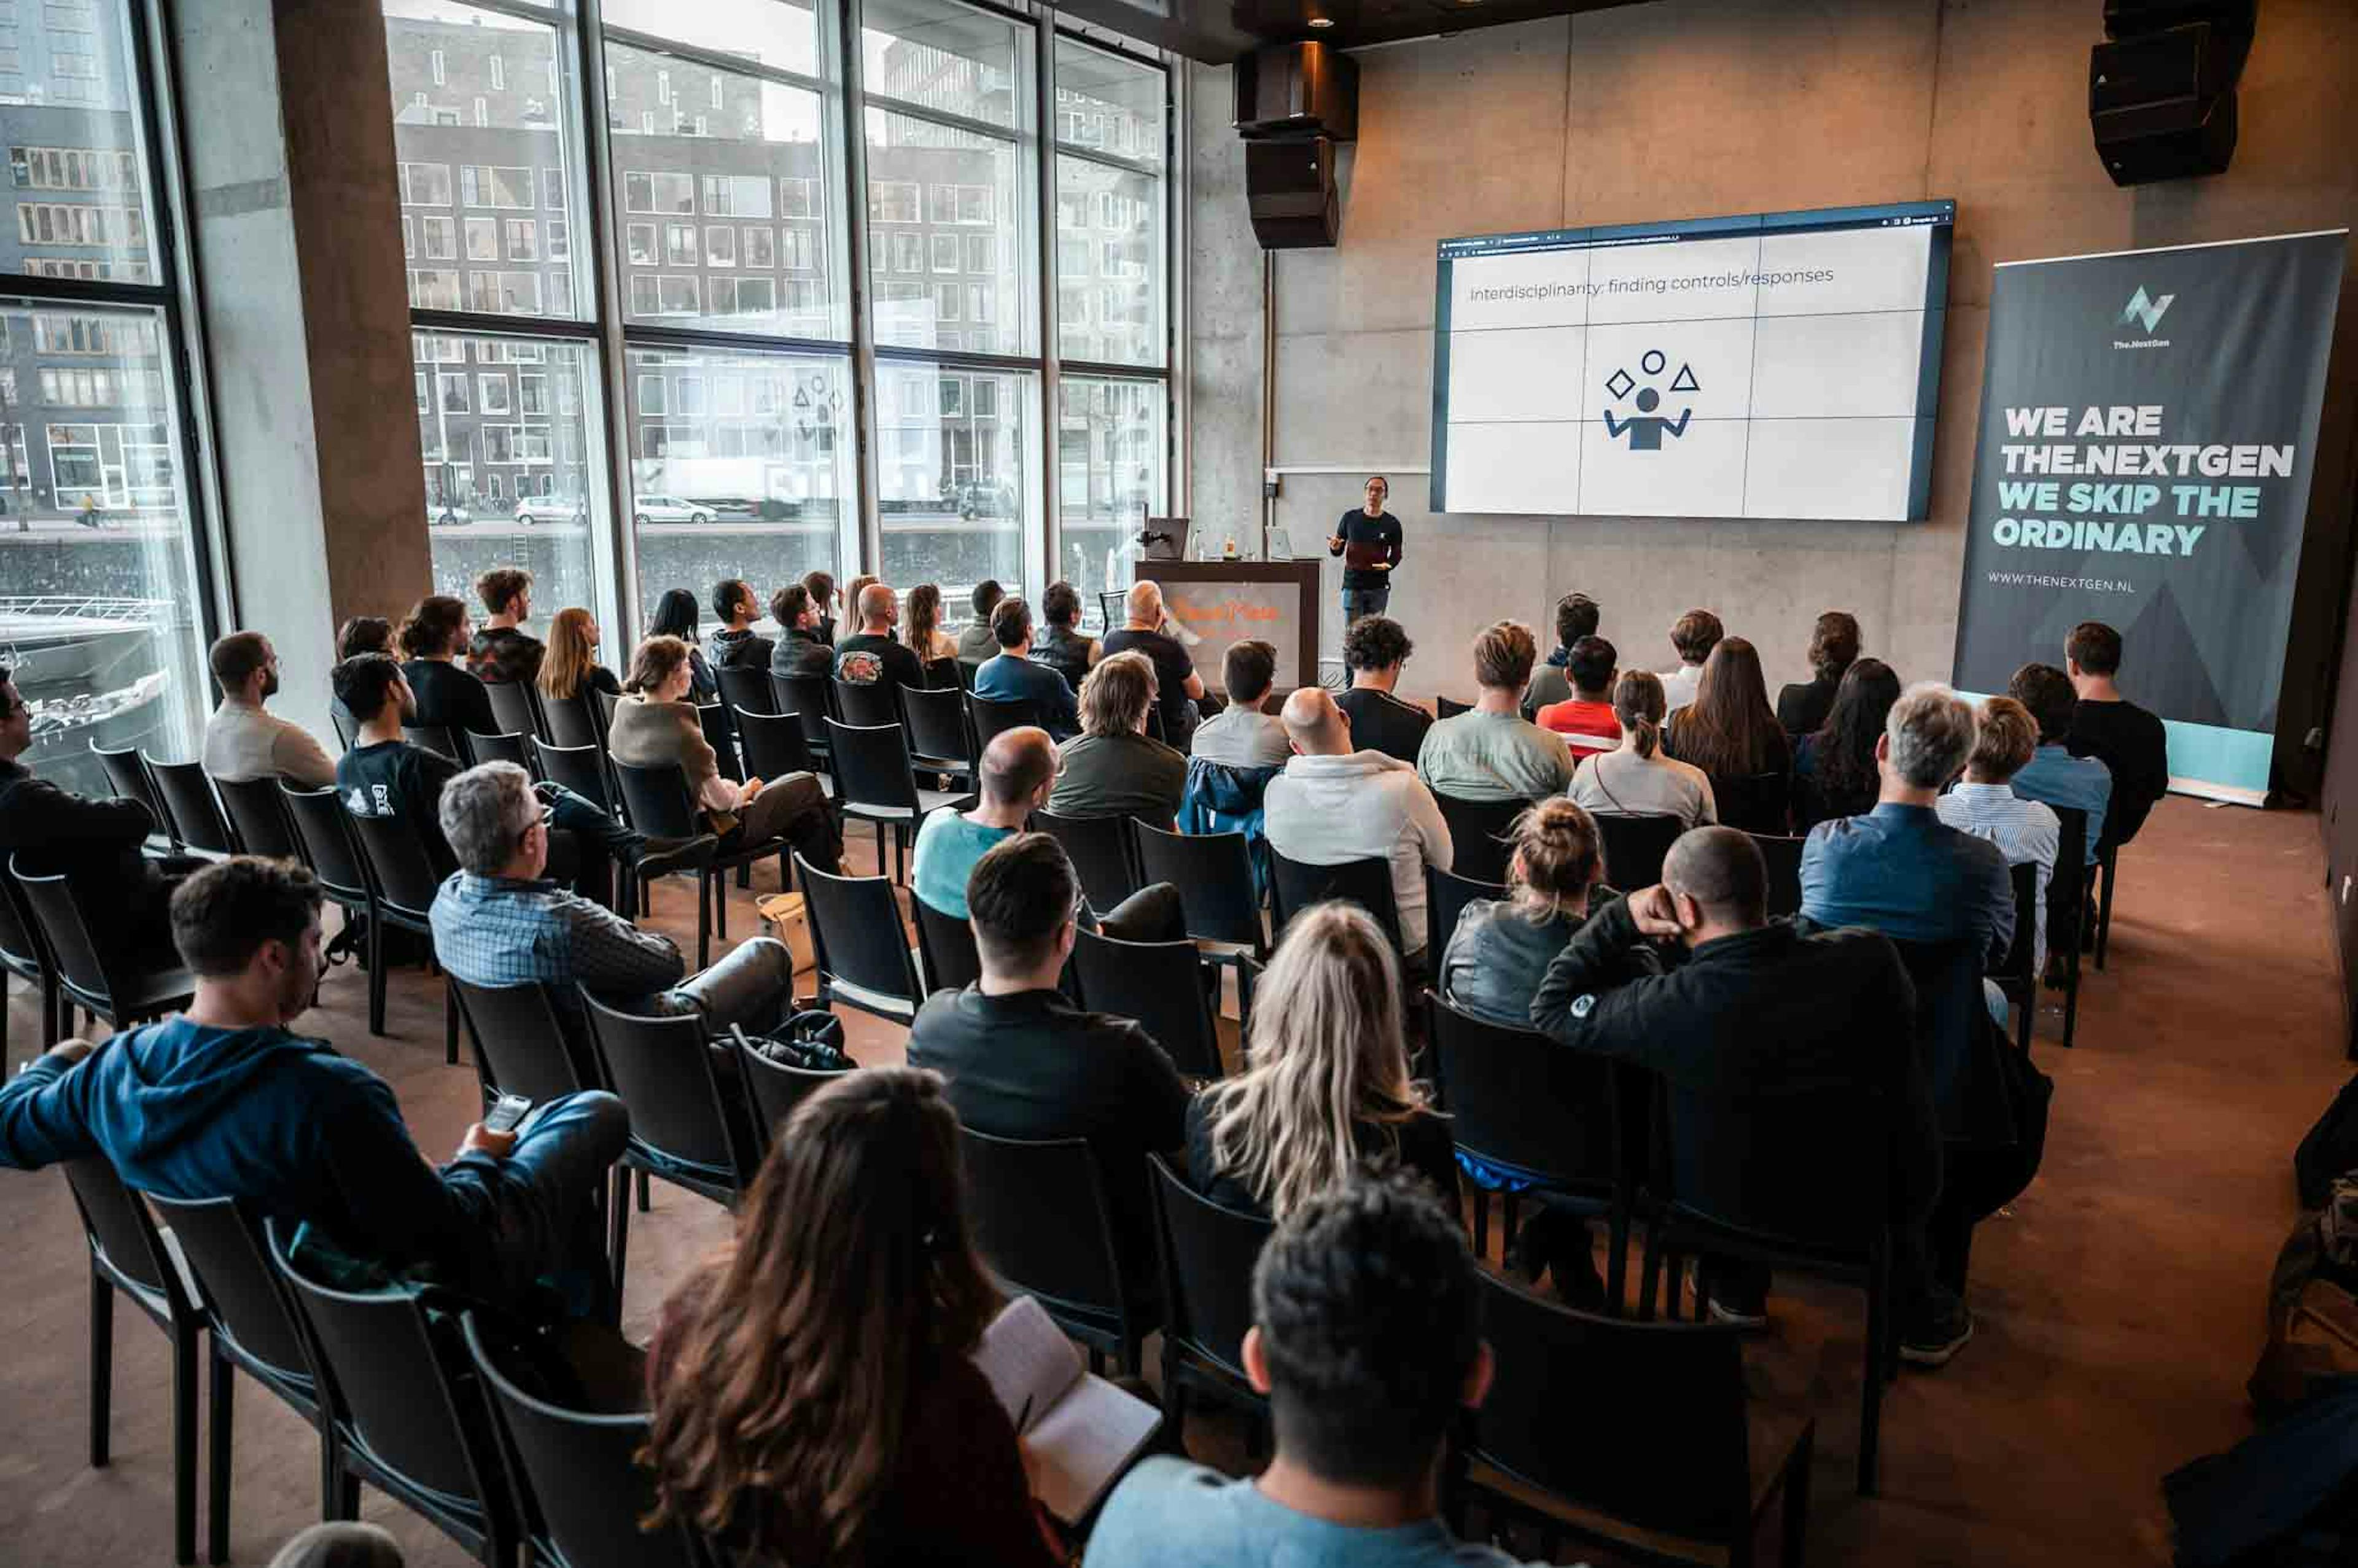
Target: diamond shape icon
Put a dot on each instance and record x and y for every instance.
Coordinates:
(1620, 383)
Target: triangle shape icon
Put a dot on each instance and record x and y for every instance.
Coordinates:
(1684, 381)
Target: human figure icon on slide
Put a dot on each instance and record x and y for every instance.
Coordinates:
(1646, 429)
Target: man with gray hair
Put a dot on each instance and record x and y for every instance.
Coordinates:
(1899, 868)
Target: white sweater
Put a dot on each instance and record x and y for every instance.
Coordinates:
(1323, 811)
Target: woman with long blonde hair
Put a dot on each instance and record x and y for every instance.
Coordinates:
(1325, 1084)
(570, 666)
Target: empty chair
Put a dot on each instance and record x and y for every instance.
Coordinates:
(1207, 1252)
(867, 706)
(521, 1043)
(946, 943)
(1042, 1223)
(197, 821)
(581, 769)
(333, 853)
(1098, 848)
(657, 801)
(259, 818)
(1757, 803)
(811, 700)
(1295, 886)
(127, 776)
(775, 746)
(1634, 846)
(989, 718)
(575, 720)
(1686, 1469)
(937, 735)
(721, 734)
(500, 749)
(1213, 874)
(1781, 853)
(1477, 834)
(1160, 985)
(862, 954)
(122, 987)
(775, 1088)
(516, 706)
(439, 738)
(1447, 894)
(875, 782)
(404, 884)
(746, 689)
(126, 1254)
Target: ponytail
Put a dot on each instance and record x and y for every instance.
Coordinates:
(1638, 704)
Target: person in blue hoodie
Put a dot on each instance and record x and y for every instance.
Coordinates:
(224, 1100)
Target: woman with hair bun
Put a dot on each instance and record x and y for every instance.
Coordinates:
(1638, 778)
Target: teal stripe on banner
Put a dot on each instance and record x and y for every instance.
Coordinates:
(2202, 754)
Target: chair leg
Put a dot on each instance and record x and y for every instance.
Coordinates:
(1650, 1278)
(721, 904)
(1881, 1334)
(184, 1446)
(703, 924)
(1797, 1498)
(1616, 1260)
(618, 1245)
(450, 1022)
(2108, 870)
(1509, 1208)
(332, 1471)
(646, 1203)
(377, 976)
(1175, 1399)
(1481, 1222)
(221, 1414)
(102, 1365)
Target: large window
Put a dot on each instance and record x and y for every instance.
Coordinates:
(100, 596)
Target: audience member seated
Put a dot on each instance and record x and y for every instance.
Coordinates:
(570, 669)
(1759, 1008)
(498, 923)
(246, 741)
(448, 693)
(1062, 648)
(1245, 734)
(95, 843)
(675, 616)
(1178, 687)
(1639, 779)
(872, 656)
(1325, 1086)
(1803, 705)
(656, 726)
(815, 1398)
(1833, 766)
(1493, 753)
(1333, 804)
(1013, 676)
(800, 650)
(1367, 1339)
(1899, 868)
(364, 635)
(733, 645)
(1115, 768)
(1375, 649)
(927, 639)
(1576, 616)
(820, 586)
(851, 592)
(340, 1543)
(1555, 879)
(2053, 775)
(1986, 806)
(1021, 1061)
(1694, 636)
(1729, 731)
(1585, 719)
(1019, 768)
(502, 650)
(976, 644)
(224, 1100)
(2128, 739)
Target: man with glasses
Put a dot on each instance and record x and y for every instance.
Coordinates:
(1368, 540)
(246, 741)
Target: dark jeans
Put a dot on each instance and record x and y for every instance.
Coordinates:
(793, 808)
(585, 843)
(1358, 602)
(540, 1204)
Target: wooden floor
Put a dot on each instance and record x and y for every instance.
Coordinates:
(2119, 1301)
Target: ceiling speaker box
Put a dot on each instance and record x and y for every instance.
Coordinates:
(1289, 193)
(1296, 90)
(2162, 105)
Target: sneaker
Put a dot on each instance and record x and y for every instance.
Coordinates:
(1939, 1338)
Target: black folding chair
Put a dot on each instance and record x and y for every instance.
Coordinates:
(866, 706)
(516, 706)
(575, 720)
(875, 782)
(403, 884)
(348, 731)
(746, 689)
(1098, 848)
(2067, 907)
(721, 734)
(2108, 867)
(522, 1045)
(581, 769)
(944, 674)
(2017, 975)
(439, 738)
(259, 818)
(1477, 834)
(1163, 986)
(126, 774)
(128, 1254)
(1781, 853)
(1635, 848)
(1294, 886)
(324, 828)
(1207, 1253)
(1757, 803)
(657, 801)
(1450, 708)
(990, 717)
(862, 953)
(1447, 894)
(939, 741)
(777, 1089)
(251, 1319)
(198, 825)
(775, 746)
(1042, 1224)
(1213, 872)
(500, 749)
(23, 954)
(1686, 1470)
(945, 946)
(122, 987)
(811, 700)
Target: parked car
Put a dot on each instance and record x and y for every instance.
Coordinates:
(549, 509)
(669, 508)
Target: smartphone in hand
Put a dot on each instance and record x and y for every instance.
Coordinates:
(507, 1114)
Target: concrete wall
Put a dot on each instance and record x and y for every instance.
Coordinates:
(1693, 108)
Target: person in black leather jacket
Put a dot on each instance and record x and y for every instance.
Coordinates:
(1501, 948)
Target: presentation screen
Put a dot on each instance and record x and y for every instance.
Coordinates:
(1786, 364)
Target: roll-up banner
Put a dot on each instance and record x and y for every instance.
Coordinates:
(2148, 426)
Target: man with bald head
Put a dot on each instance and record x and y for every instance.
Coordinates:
(1333, 804)
(871, 657)
(1177, 684)
(1761, 1006)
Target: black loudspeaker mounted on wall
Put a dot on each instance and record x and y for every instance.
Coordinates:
(1289, 193)
(2161, 92)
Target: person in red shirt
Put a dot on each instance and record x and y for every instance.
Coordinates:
(1586, 721)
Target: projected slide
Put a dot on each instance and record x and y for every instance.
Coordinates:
(1782, 365)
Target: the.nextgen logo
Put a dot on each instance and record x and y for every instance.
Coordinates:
(2144, 311)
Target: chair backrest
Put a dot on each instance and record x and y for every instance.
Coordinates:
(1477, 834)
(1952, 1016)
(516, 706)
(1295, 886)
(2067, 886)
(721, 734)
(347, 730)
(1447, 894)
(1112, 608)
(1811, 1164)
(777, 1089)
(65, 930)
(258, 815)
(326, 830)
(605, 702)
(871, 765)
(809, 699)
(1213, 872)
(856, 936)
(867, 706)
(1450, 708)
(665, 1073)
(936, 719)
(197, 819)
(520, 1043)
(747, 689)
(1519, 1101)
(395, 857)
(947, 944)
(1781, 853)
(775, 744)
(578, 768)
(573, 720)
(581, 1468)
(943, 674)
(1041, 1219)
(1674, 1459)
(501, 749)
(1208, 1253)
(655, 800)
(990, 717)
(1158, 984)
(1757, 803)
(2019, 963)
(20, 944)
(1634, 846)
(1098, 848)
(439, 738)
(120, 1231)
(245, 1298)
(126, 773)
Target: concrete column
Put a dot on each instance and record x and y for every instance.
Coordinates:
(288, 126)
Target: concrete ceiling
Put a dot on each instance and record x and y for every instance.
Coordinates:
(1217, 31)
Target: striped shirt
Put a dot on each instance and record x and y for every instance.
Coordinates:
(2023, 830)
